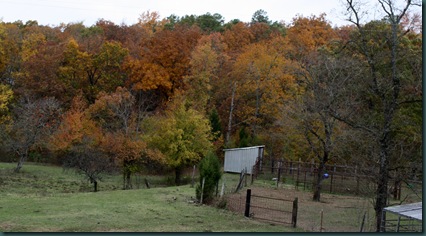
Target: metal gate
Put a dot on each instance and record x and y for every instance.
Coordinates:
(277, 210)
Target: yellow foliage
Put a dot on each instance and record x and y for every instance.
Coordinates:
(183, 135)
(30, 45)
(6, 95)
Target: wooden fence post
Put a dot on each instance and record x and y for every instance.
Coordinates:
(193, 174)
(222, 191)
(304, 181)
(298, 173)
(251, 176)
(147, 183)
(279, 173)
(357, 180)
(362, 223)
(240, 182)
(202, 190)
(245, 177)
(248, 198)
(294, 213)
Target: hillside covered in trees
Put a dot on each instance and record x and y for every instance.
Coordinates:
(162, 93)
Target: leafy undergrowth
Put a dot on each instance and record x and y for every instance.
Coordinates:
(46, 198)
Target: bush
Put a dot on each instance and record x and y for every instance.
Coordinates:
(210, 170)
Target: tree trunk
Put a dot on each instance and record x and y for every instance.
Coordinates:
(178, 172)
(95, 186)
(317, 191)
(231, 109)
(382, 185)
(128, 180)
(21, 161)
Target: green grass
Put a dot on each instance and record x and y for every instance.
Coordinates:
(47, 198)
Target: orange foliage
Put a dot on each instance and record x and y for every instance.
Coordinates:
(308, 34)
(164, 60)
(238, 37)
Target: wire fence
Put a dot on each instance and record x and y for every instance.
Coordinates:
(340, 179)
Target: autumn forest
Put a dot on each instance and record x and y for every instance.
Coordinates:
(163, 93)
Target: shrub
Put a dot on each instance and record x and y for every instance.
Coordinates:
(210, 170)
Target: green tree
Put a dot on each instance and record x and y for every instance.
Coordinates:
(211, 173)
(215, 124)
(260, 16)
(183, 135)
(210, 23)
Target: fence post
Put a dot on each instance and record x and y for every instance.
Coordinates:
(357, 180)
(331, 182)
(245, 177)
(147, 183)
(279, 173)
(202, 190)
(193, 175)
(251, 176)
(298, 173)
(248, 198)
(304, 181)
(242, 176)
(362, 223)
(294, 213)
(223, 189)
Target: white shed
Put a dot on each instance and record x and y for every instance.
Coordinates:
(408, 218)
(238, 159)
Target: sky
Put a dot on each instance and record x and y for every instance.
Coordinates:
(54, 12)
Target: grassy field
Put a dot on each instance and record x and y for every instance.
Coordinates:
(46, 198)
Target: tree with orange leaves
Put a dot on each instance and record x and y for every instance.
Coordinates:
(164, 61)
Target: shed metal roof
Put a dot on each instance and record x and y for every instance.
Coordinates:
(243, 148)
(413, 211)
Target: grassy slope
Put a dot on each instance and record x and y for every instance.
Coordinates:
(44, 198)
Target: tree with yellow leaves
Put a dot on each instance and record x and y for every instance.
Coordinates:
(183, 136)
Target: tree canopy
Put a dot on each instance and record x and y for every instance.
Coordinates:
(163, 92)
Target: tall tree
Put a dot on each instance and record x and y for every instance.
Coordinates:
(263, 82)
(33, 123)
(183, 136)
(77, 144)
(378, 44)
(164, 61)
(93, 72)
(325, 77)
(6, 96)
(210, 23)
(320, 77)
(206, 58)
(260, 16)
(116, 115)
